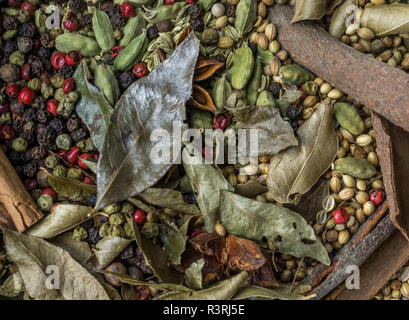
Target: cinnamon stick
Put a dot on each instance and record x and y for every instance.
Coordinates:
(17, 202)
(373, 83)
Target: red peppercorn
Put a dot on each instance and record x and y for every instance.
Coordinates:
(30, 184)
(140, 70)
(221, 121)
(7, 133)
(190, 2)
(62, 154)
(68, 85)
(116, 50)
(25, 72)
(5, 107)
(376, 196)
(72, 155)
(88, 180)
(73, 57)
(28, 6)
(128, 10)
(71, 23)
(50, 192)
(26, 96)
(58, 60)
(84, 156)
(139, 216)
(52, 106)
(169, 2)
(340, 215)
(12, 90)
(195, 233)
(303, 95)
(143, 292)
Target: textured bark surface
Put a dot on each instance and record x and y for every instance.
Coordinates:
(17, 202)
(382, 88)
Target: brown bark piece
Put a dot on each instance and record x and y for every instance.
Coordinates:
(18, 203)
(382, 88)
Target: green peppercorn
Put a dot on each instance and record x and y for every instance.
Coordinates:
(45, 202)
(54, 33)
(117, 231)
(47, 90)
(116, 219)
(5, 118)
(128, 231)
(65, 108)
(127, 208)
(60, 96)
(104, 230)
(150, 230)
(17, 58)
(60, 171)
(89, 145)
(57, 80)
(79, 234)
(24, 16)
(19, 144)
(36, 193)
(63, 141)
(34, 84)
(51, 161)
(75, 174)
(73, 96)
(113, 208)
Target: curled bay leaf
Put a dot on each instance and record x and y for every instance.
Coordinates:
(223, 290)
(64, 218)
(168, 198)
(388, 19)
(92, 106)
(295, 171)
(107, 249)
(309, 10)
(260, 293)
(287, 230)
(193, 275)
(207, 181)
(71, 188)
(339, 18)
(274, 134)
(129, 164)
(173, 240)
(33, 255)
(250, 189)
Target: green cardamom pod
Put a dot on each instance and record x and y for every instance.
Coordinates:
(163, 12)
(295, 74)
(254, 84)
(106, 80)
(242, 67)
(220, 92)
(87, 46)
(9, 34)
(40, 21)
(348, 118)
(104, 32)
(246, 13)
(266, 99)
(133, 28)
(359, 168)
(132, 53)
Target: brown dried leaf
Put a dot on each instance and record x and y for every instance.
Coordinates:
(309, 10)
(244, 254)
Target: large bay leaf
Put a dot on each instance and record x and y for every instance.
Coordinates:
(309, 10)
(156, 258)
(257, 221)
(107, 249)
(207, 181)
(63, 218)
(92, 106)
(33, 255)
(388, 19)
(274, 134)
(128, 164)
(260, 293)
(13, 286)
(223, 290)
(70, 188)
(168, 198)
(193, 275)
(294, 171)
(250, 189)
(340, 18)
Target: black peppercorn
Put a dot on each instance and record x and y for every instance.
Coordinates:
(253, 48)
(43, 116)
(30, 114)
(45, 136)
(57, 125)
(43, 53)
(35, 65)
(92, 200)
(10, 22)
(38, 153)
(25, 44)
(195, 11)
(293, 112)
(152, 33)
(72, 124)
(28, 30)
(126, 79)
(197, 24)
(47, 41)
(118, 21)
(128, 253)
(18, 126)
(275, 89)
(86, 20)
(77, 6)
(30, 169)
(14, 157)
(78, 135)
(39, 103)
(28, 136)
(230, 11)
(113, 10)
(17, 108)
(42, 179)
(26, 156)
(221, 58)
(67, 71)
(9, 47)
(93, 235)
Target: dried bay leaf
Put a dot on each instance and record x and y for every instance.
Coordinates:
(63, 218)
(388, 19)
(79, 250)
(223, 290)
(174, 241)
(71, 188)
(309, 10)
(92, 107)
(288, 98)
(250, 189)
(339, 18)
(128, 292)
(287, 230)
(193, 275)
(32, 255)
(127, 165)
(274, 134)
(13, 286)
(260, 293)
(207, 181)
(92, 164)
(168, 198)
(107, 249)
(295, 171)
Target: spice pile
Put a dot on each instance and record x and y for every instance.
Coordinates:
(397, 288)
(75, 102)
